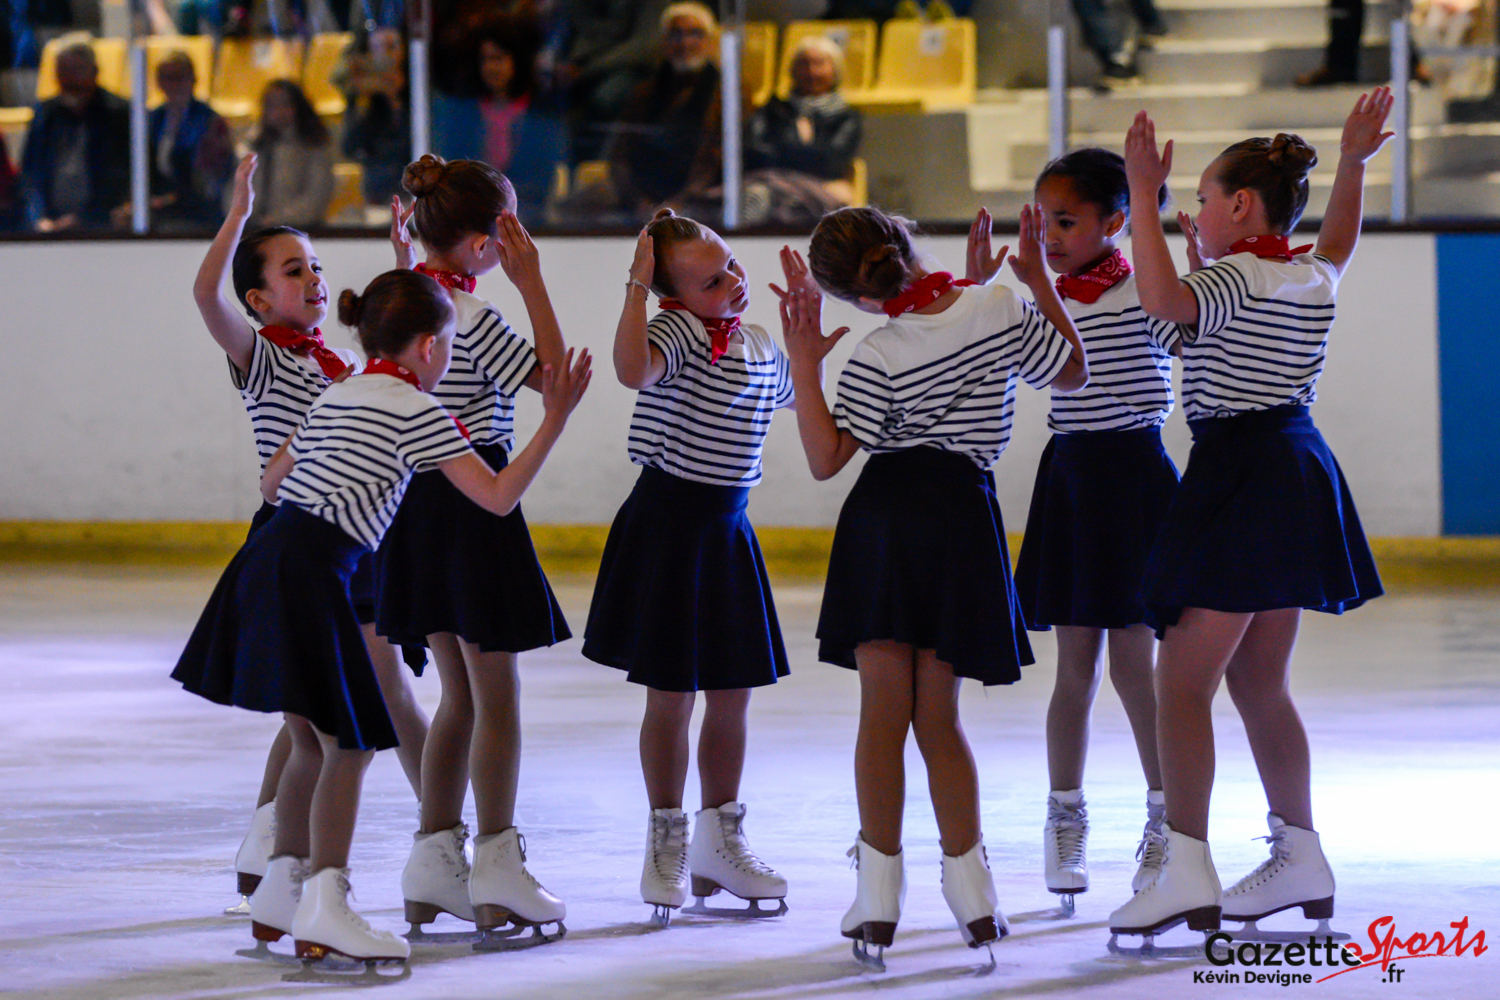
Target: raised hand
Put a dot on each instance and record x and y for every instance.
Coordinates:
(518, 254)
(798, 275)
(1028, 263)
(244, 190)
(802, 325)
(643, 267)
(1144, 166)
(406, 254)
(1363, 137)
(983, 264)
(1190, 230)
(564, 386)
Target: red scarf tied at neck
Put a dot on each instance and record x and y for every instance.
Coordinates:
(1088, 286)
(306, 345)
(922, 293)
(1277, 248)
(449, 279)
(384, 366)
(719, 330)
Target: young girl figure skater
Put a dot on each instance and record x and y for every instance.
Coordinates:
(1263, 524)
(1102, 487)
(280, 633)
(463, 583)
(683, 603)
(919, 592)
(280, 370)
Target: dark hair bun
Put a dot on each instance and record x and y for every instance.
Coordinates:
(351, 306)
(1292, 154)
(662, 213)
(423, 176)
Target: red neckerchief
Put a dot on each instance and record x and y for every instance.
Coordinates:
(922, 293)
(719, 330)
(449, 279)
(306, 345)
(383, 366)
(1268, 248)
(1088, 286)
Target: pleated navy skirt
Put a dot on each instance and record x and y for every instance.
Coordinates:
(449, 565)
(279, 633)
(919, 557)
(1099, 502)
(683, 602)
(361, 584)
(1263, 520)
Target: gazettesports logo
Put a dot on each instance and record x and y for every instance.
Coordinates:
(1268, 961)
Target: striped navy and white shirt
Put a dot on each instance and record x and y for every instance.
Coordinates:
(358, 447)
(948, 380)
(278, 390)
(1130, 366)
(490, 364)
(1261, 337)
(706, 422)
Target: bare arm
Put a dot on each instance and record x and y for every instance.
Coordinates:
(523, 266)
(277, 469)
(1029, 268)
(1162, 293)
(226, 323)
(1362, 139)
(828, 448)
(638, 363)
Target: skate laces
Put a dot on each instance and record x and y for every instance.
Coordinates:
(1279, 854)
(669, 847)
(460, 835)
(1070, 823)
(1152, 850)
(738, 848)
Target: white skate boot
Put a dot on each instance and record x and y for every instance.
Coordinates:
(1065, 842)
(1185, 889)
(504, 892)
(254, 855)
(1153, 840)
(436, 880)
(273, 905)
(969, 889)
(1296, 874)
(877, 902)
(720, 858)
(325, 925)
(664, 877)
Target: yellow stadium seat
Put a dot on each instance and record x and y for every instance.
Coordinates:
(856, 38)
(14, 119)
(930, 62)
(589, 173)
(199, 48)
(758, 61)
(859, 179)
(245, 66)
(109, 53)
(348, 201)
(323, 57)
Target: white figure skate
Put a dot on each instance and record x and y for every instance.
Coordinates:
(254, 855)
(1153, 841)
(720, 858)
(325, 926)
(507, 899)
(871, 921)
(436, 880)
(969, 889)
(664, 877)
(1186, 889)
(1296, 874)
(273, 905)
(1065, 847)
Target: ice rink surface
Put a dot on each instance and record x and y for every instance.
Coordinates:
(123, 801)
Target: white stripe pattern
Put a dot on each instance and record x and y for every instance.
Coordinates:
(1130, 366)
(279, 389)
(490, 364)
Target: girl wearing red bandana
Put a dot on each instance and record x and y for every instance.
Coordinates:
(683, 603)
(280, 365)
(1263, 524)
(1102, 488)
(919, 593)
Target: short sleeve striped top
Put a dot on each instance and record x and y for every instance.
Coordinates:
(279, 389)
(708, 422)
(1262, 334)
(1130, 366)
(358, 447)
(490, 364)
(948, 380)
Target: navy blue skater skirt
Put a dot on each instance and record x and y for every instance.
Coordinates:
(361, 584)
(1263, 520)
(279, 633)
(919, 557)
(449, 565)
(1099, 502)
(683, 602)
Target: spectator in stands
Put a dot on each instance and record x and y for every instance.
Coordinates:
(1346, 30)
(76, 168)
(294, 183)
(614, 48)
(192, 154)
(1103, 37)
(377, 122)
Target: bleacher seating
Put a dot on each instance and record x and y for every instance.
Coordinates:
(245, 66)
(933, 63)
(323, 56)
(758, 62)
(110, 53)
(856, 38)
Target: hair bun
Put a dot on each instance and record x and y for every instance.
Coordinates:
(423, 176)
(1292, 154)
(351, 307)
(662, 213)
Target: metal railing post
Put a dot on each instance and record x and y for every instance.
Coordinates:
(140, 180)
(1401, 114)
(730, 47)
(1057, 84)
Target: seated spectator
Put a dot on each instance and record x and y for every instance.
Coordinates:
(76, 168)
(613, 49)
(377, 123)
(192, 154)
(799, 151)
(294, 182)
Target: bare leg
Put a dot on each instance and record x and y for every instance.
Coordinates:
(1193, 658)
(335, 803)
(1080, 654)
(721, 746)
(886, 682)
(1132, 665)
(298, 780)
(406, 715)
(1258, 682)
(664, 746)
(495, 746)
(445, 756)
(952, 778)
(281, 749)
